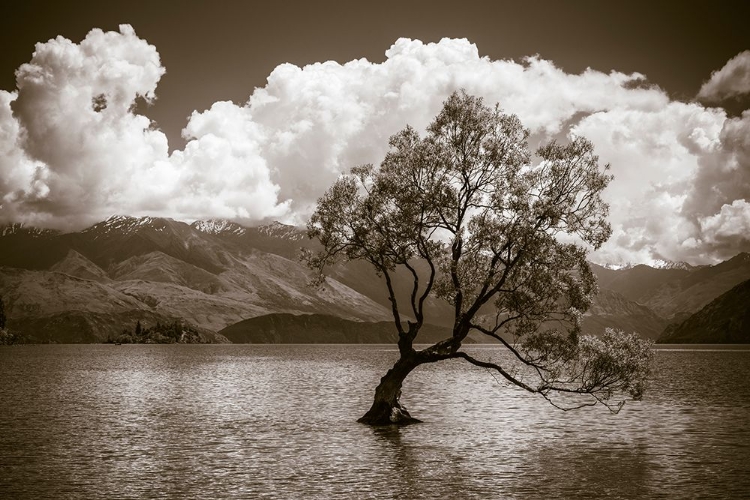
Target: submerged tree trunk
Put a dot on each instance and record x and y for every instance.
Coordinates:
(386, 408)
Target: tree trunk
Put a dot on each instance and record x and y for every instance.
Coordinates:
(386, 408)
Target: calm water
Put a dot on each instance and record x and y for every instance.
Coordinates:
(249, 421)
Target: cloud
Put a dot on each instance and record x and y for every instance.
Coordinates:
(74, 149)
(320, 120)
(728, 231)
(716, 200)
(655, 156)
(21, 177)
(74, 121)
(732, 80)
(223, 173)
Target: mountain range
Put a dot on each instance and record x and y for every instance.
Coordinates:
(89, 285)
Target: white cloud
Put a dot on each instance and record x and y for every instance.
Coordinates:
(732, 80)
(16, 169)
(66, 164)
(655, 156)
(321, 120)
(75, 151)
(88, 157)
(222, 172)
(728, 231)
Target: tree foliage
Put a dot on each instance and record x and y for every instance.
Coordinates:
(504, 240)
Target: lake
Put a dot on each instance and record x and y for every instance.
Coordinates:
(279, 421)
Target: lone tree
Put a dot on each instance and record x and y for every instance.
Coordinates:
(470, 219)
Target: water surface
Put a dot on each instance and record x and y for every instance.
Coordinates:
(278, 421)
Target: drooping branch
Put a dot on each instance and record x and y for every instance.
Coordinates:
(487, 364)
(466, 200)
(598, 368)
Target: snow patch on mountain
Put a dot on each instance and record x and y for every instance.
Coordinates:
(218, 226)
(655, 264)
(20, 228)
(282, 231)
(668, 264)
(125, 224)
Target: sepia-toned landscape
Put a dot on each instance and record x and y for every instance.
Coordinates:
(387, 250)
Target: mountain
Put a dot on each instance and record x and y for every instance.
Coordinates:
(612, 309)
(48, 306)
(31, 248)
(286, 241)
(675, 292)
(276, 238)
(75, 264)
(702, 285)
(216, 273)
(126, 269)
(725, 319)
(23, 231)
(639, 282)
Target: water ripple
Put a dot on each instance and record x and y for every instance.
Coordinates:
(243, 421)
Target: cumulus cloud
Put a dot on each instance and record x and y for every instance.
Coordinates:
(655, 156)
(73, 112)
(74, 150)
(716, 200)
(222, 169)
(321, 120)
(728, 231)
(732, 80)
(724, 173)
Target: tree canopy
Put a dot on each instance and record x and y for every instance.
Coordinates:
(500, 238)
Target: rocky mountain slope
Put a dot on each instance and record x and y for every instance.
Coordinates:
(725, 319)
(127, 269)
(51, 306)
(675, 293)
(614, 310)
(216, 273)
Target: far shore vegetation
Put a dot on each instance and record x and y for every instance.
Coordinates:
(6, 336)
(176, 332)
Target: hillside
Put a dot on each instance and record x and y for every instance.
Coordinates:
(677, 292)
(725, 320)
(75, 264)
(638, 282)
(701, 286)
(216, 273)
(125, 269)
(55, 307)
(611, 309)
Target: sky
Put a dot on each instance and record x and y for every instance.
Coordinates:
(249, 110)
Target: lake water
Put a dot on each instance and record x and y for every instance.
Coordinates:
(270, 421)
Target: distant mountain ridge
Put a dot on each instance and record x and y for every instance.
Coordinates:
(218, 226)
(17, 228)
(215, 273)
(612, 309)
(157, 269)
(726, 319)
(676, 291)
(658, 264)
